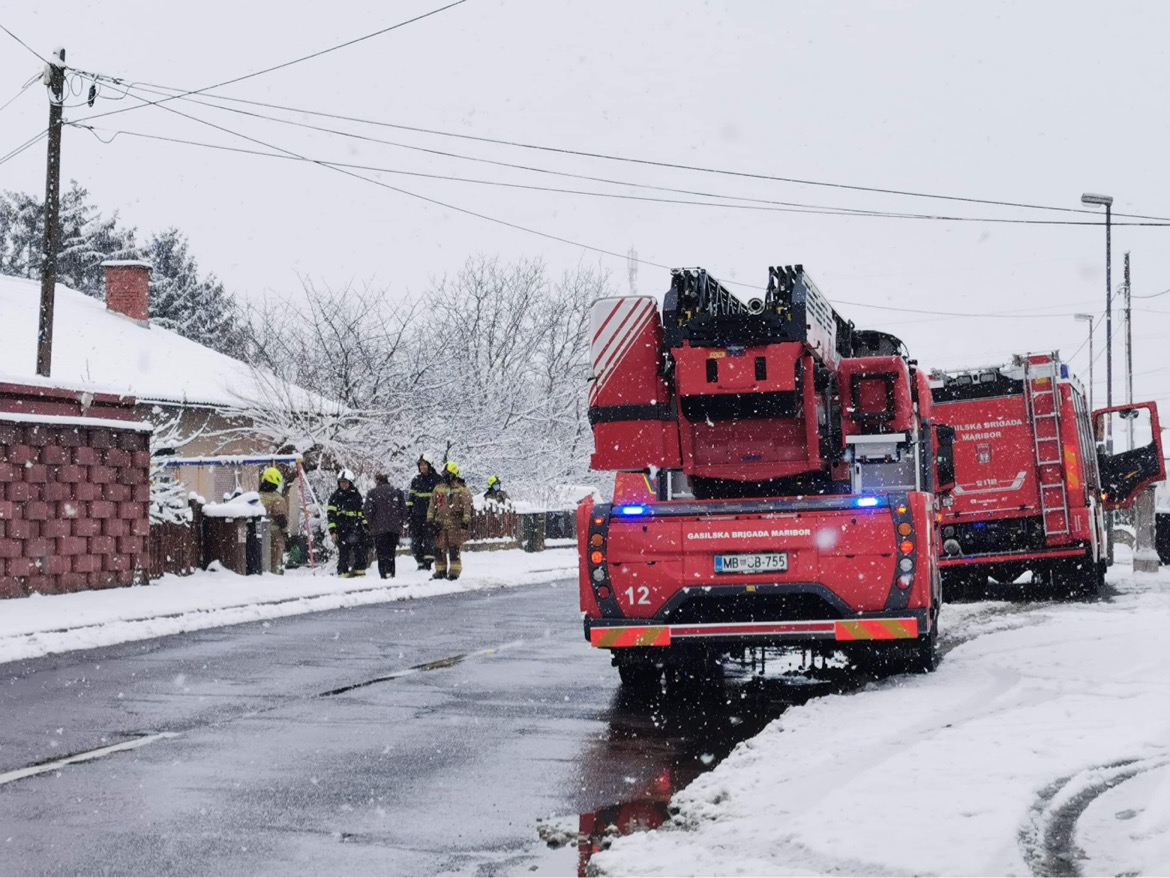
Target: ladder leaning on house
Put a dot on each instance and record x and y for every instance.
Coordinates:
(1042, 395)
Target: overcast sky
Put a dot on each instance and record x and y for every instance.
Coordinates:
(1034, 102)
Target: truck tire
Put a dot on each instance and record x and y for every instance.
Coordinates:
(1092, 578)
(639, 677)
(964, 585)
(922, 655)
(1077, 578)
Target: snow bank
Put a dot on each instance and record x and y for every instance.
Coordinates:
(44, 624)
(1035, 711)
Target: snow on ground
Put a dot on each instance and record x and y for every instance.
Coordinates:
(1043, 740)
(44, 624)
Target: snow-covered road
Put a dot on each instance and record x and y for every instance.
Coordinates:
(1040, 746)
(44, 624)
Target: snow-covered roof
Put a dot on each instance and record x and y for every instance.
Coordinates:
(100, 350)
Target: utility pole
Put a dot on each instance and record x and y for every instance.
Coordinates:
(55, 80)
(1128, 348)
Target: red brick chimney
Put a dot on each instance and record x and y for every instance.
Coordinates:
(128, 288)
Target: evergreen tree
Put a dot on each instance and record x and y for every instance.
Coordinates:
(193, 306)
(87, 239)
(21, 224)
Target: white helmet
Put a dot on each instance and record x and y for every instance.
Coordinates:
(345, 476)
(429, 457)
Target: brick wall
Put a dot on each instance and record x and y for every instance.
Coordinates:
(74, 503)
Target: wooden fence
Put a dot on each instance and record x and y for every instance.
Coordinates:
(178, 548)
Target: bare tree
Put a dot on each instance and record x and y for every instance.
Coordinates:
(490, 366)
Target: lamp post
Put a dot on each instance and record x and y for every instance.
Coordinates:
(1089, 319)
(1107, 202)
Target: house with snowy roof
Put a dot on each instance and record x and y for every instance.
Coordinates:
(206, 399)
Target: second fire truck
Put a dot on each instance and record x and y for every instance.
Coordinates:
(1035, 473)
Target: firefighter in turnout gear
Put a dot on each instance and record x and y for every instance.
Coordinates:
(495, 492)
(276, 505)
(450, 512)
(347, 527)
(422, 540)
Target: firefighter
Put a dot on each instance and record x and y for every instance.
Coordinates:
(450, 512)
(276, 505)
(422, 542)
(347, 527)
(495, 493)
(385, 510)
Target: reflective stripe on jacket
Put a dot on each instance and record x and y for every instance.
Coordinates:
(345, 510)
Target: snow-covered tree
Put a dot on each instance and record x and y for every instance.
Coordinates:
(352, 347)
(21, 225)
(169, 502)
(512, 345)
(197, 307)
(87, 239)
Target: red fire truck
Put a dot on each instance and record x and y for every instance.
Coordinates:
(1034, 475)
(776, 473)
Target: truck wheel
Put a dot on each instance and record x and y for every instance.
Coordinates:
(964, 585)
(1092, 578)
(923, 653)
(640, 677)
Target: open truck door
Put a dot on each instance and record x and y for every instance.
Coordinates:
(1124, 474)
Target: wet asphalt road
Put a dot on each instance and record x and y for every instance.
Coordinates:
(419, 737)
(434, 771)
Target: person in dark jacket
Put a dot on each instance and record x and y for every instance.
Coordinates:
(347, 527)
(385, 511)
(422, 538)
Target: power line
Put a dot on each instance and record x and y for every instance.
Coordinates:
(285, 64)
(473, 180)
(515, 165)
(495, 220)
(26, 145)
(649, 162)
(802, 209)
(23, 89)
(754, 203)
(23, 43)
(429, 200)
(1151, 295)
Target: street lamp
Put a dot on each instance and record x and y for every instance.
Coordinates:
(1090, 319)
(1107, 202)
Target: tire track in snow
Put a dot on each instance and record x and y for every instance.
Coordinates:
(1048, 840)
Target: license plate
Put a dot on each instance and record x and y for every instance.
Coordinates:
(757, 562)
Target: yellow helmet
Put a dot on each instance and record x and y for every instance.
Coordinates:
(272, 476)
(452, 467)
(493, 480)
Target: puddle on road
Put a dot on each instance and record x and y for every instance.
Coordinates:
(655, 747)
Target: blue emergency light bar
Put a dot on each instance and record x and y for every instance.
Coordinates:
(867, 501)
(631, 510)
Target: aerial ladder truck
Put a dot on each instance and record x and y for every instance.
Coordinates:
(776, 480)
